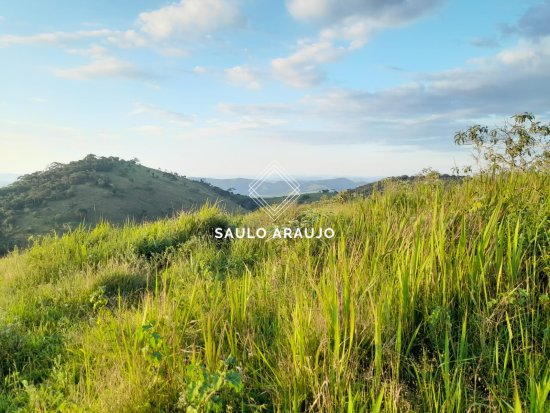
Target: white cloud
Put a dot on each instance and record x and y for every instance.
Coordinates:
(301, 69)
(330, 11)
(309, 9)
(353, 30)
(244, 76)
(181, 119)
(53, 38)
(128, 39)
(94, 51)
(512, 81)
(200, 70)
(425, 112)
(266, 109)
(102, 66)
(525, 52)
(122, 39)
(168, 30)
(134, 39)
(190, 18)
(350, 22)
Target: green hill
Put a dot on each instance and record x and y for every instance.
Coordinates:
(368, 189)
(97, 188)
(432, 297)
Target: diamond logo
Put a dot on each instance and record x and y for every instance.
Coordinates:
(274, 171)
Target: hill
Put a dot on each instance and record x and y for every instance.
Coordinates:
(97, 188)
(432, 297)
(367, 189)
(280, 188)
(307, 198)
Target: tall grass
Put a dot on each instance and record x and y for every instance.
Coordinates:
(433, 297)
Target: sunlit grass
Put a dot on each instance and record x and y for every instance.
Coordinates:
(432, 297)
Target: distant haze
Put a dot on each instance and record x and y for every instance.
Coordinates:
(280, 188)
(6, 179)
(269, 188)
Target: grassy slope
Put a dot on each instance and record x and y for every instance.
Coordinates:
(129, 191)
(303, 198)
(428, 300)
(368, 189)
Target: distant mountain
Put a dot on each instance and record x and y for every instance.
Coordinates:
(280, 188)
(96, 188)
(6, 179)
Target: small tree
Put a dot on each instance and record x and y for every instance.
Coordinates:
(522, 144)
(90, 158)
(54, 165)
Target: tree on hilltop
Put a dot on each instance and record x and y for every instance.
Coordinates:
(522, 144)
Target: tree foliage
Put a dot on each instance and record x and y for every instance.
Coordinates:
(521, 144)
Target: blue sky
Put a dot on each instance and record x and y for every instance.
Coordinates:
(222, 87)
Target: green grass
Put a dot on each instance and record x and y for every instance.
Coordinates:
(307, 198)
(433, 297)
(95, 189)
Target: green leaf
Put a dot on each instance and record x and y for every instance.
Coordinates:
(234, 380)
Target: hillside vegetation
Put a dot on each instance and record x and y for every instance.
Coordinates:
(427, 174)
(432, 297)
(97, 188)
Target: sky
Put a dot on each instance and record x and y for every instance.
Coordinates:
(220, 88)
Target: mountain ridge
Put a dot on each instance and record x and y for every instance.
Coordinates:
(280, 188)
